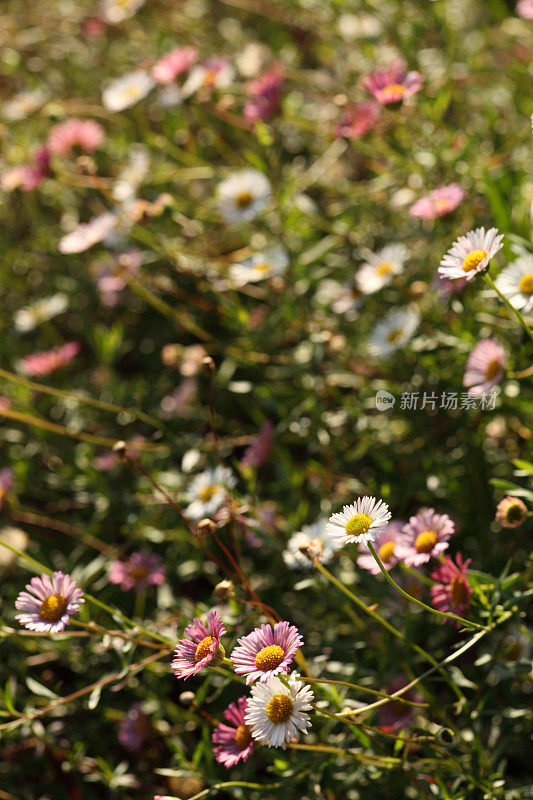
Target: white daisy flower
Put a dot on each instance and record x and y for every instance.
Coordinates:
(217, 73)
(515, 282)
(243, 195)
(393, 331)
(360, 522)
(470, 254)
(115, 11)
(314, 539)
(380, 267)
(132, 176)
(26, 319)
(207, 492)
(23, 104)
(260, 266)
(128, 90)
(87, 234)
(274, 712)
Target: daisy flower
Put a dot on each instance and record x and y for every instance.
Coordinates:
(13, 536)
(484, 367)
(358, 120)
(266, 651)
(49, 360)
(385, 546)
(115, 11)
(173, 64)
(48, 603)
(393, 84)
(380, 267)
(23, 104)
(26, 319)
(27, 177)
(265, 93)
(393, 332)
(126, 91)
(203, 648)
(87, 234)
(439, 202)
(359, 522)
(83, 133)
(515, 282)
(470, 254)
(396, 715)
(141, 570)
(133, 728)
(344, 298)
(233, 742)
(216, 73)
(275, 712)
(511, 512)
(424, 536)
(207, 492)
(451, 591)
(314, 540)
(260, 266)
(7, 481)
(524, 9)
(243, 195)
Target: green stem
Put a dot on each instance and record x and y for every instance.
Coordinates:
(395, 632)
(488, 280)
(463, 621)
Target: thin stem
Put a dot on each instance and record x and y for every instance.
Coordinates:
(395, 632)
(361, 688)
(465, 622)
(516, 312)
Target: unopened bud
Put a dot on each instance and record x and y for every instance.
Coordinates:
(445, 736)
(223, 590)
(418, 289)
(208, 364)
(206, 527)
(187, 698)
(120, 449)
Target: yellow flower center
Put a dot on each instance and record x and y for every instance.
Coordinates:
(203, 648)
(440, 204)
(525, 284)
(243, 737)
(426, 541)
(244, 199)
(209, 78)
(493, 367)
(394, 335)
(269, 657)
(386, 552)
(53, 608)
(384, 268)
(207, 493)
(279, 708)
(514, 512)
(262, 267)
(474, 258)
(138, 573)
(358, 524)
(458, 591)
(395, 88)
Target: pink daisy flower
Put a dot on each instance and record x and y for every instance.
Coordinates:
(173, 64)
(484, 367)
(234, 742)
(424, 536)
(266, 651)
(50, 360)
(524, 9)
(83, 133)
(88, 234)
(385, 546)
(7, 479)
(471, 254)
(265, 94)
(202, 649)
(48, 603)
(396, 715)
(27, 177)
(439, 202)
(358, 120)
(452, 590)
(511, 512)
(393, 84)
(133, 728)
(141, 570)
